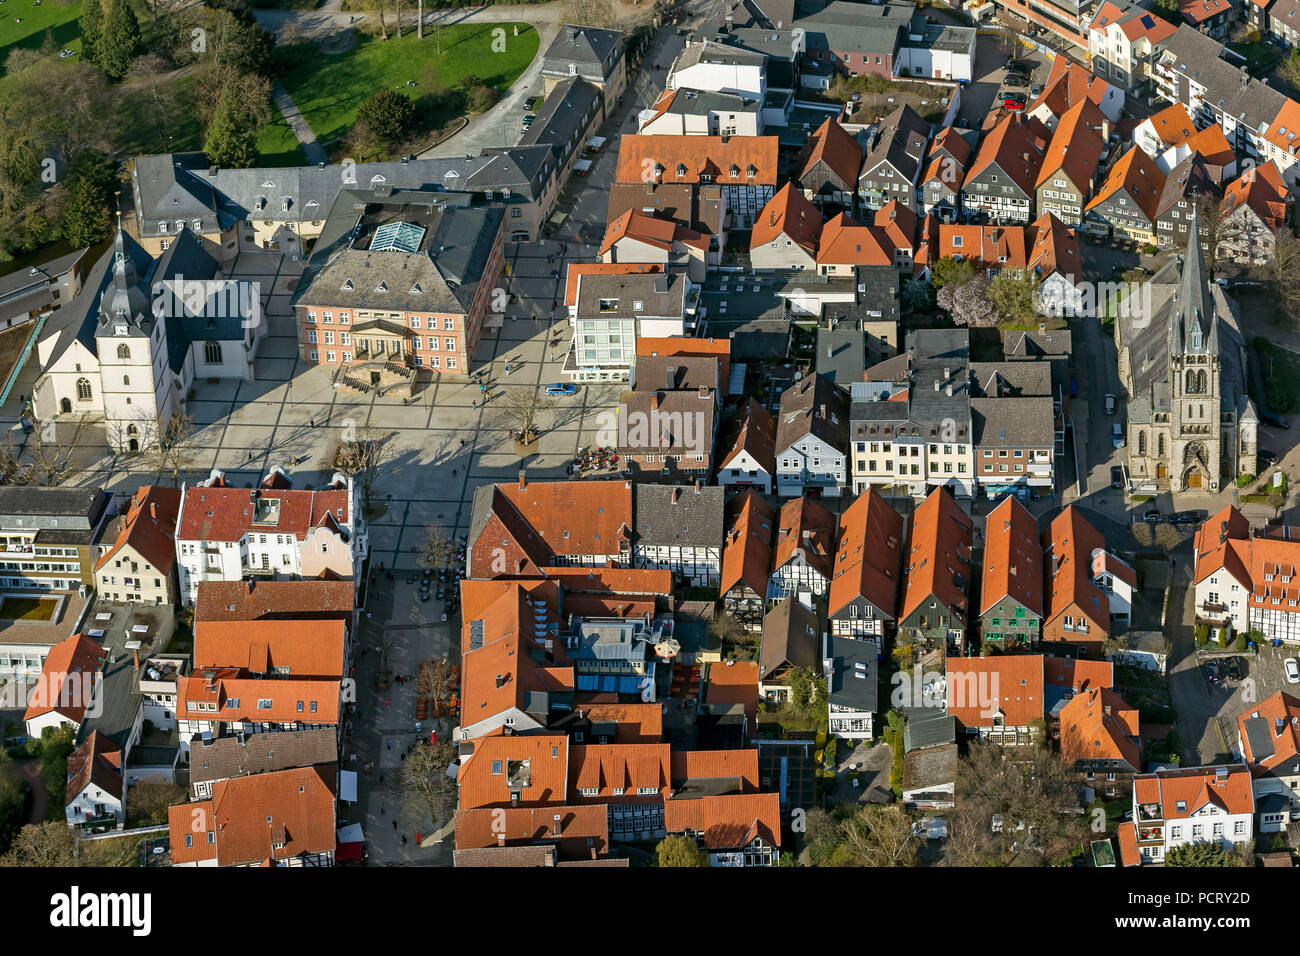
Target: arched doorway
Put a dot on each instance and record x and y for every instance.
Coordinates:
(65, 405)
(1196, 467)
(133, 445)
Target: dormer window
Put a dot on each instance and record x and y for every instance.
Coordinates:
(681, 170)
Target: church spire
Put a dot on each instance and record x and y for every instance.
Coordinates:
(1194, 320)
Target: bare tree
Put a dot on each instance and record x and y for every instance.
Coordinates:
(877, 836)
(438, 548)
(174, 448)
(383, 25)
(12, 471)
(589, 13)
(51, 462)
(1284, 272)
(419, 21)
(1209, 217)
(435, 28)
(399, 18)
(520, 409)
(365, 459)
(428, 791)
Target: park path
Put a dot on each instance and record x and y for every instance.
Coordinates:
(312, 148)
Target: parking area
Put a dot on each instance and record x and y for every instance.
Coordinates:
(1236, 680)
(981, 104)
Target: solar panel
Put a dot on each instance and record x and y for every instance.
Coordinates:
(398, 237)
(1148, 22)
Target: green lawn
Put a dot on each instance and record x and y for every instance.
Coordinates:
(277, 146)
(329, 89)
(59, 16)
(27, 609)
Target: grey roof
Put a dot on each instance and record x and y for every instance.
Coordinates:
(1189, 178)
(930, 767)
(564, 116)
(817, 406)
(676, 372)
(660, 295)
(841, 353)
(678, 515)
(33, 506)
(1012, 422)
(933, 361)
(754, 339)
(1011, 379)
(227, 757)
(703, 102)
(1259, 736)
(901, 142)
(1032, 345)
(851, 678)
(860, 27)
(928, 727)
(1229, 89)
(791, 636)
(25, 289)
(1192, 324)
(592, 50)
(442, 276)
(710, 51)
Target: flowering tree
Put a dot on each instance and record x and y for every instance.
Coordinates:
(969, 303)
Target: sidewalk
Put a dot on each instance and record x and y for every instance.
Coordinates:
(313, 150)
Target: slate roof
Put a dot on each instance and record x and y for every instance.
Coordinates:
(791, 636)
(678, 515)
(852, 679)
(801, 413)
(223, 757)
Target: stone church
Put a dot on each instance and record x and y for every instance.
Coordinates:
(1182, 362)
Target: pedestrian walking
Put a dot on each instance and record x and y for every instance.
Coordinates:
(394, 824)
(388, 744)
(418, 838)
(403, 839)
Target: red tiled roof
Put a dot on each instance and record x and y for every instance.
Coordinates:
(1099, 725)
(757, 436)
(256, 600)
(1198, 11)
(727, 822)
(305, 648)
(536, 766)
(747, 551)
(69, 678)
(226, 514)
(1262, 190)
(788, 214)
(896, 225)
(1015, 146)
(609, 768)
(1173, 125)
(800, 517)
(657, 581)
(1227, 787)
(1078, 674)
(1069, 82)
(938, 551)
(734, 682)
(651, 230)
(247, 815)
(148, 525)
(1227, 547)
(670, 345)
(1138, 178)
(836, 147)
(998, 247)
(981, 687)
(844, 242)
(97, 760)
(716, 765)
(1013, 559)
(1072, 541)
(726, 161)
(870, 555)
(1128, 844)
(1054, 248)
(550, 518)
(581, 832)
(1280, 714)
(226, 689)
(635, 723)
(1075, 148)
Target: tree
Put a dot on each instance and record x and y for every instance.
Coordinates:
(1205, 855)
(1014, 296)
(1142, 533)
(727, 629)
(175, 447)
(820, 836)
(388, 113)
(520, 410)
(365, 459)
(680, 851)
(894, 735)
(918, 295)
(1284, 273)
(428, 791)
(1169, 10)
(230, 140)
(398, 4)
(438, 548)
(85, 216)
(51, 461)
(807, 693)
(419, 22)
(92, 27)
(44, 844)
(877, 836)
(969, 304)
(148, 800)
(1290, 70)
(589, 13)
(13, 802)
(952, 271)
(12, 471)
(120, 41)
(1035, 796)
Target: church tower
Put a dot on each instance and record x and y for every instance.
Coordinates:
(1194, 376)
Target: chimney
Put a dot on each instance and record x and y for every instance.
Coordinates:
(949, 391)
(654, 401)
(523, 480)
(936, 384)
(672, 377)
(822, 410)
(1042, 328)
(153, 510)
(699, 487)
(677, 493)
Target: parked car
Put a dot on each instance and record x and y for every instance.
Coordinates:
(1013, 103)
(1036, 91)
(561, 388)
(1213, 673)
(1015, 79)
(1292, 670)
(1234, 668)
(1110, 404)
(1152, 516)
(1116, 476)
(528, 120)
(1276, 420)
(529, 104)
(1020, 66)
(1183, 517)
(1266, 458)
(1117, 435)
